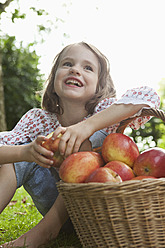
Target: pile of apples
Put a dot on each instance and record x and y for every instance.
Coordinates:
(118, 161)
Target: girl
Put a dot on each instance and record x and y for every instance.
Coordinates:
(79, 102)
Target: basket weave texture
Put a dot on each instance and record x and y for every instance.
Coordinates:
(129, 214)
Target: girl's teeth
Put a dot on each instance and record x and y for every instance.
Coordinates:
(74, 82)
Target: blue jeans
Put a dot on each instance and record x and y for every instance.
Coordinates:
(40, 182)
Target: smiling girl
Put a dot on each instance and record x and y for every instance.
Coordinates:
(79, 101)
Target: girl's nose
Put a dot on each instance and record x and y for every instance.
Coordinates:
(74, 71)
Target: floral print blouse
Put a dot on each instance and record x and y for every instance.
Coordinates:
(40, 122)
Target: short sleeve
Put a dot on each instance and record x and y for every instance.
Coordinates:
(104, 104)
(35, 122)
(142, 95)
(20, 133)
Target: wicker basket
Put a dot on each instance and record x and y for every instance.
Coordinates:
(129, 214)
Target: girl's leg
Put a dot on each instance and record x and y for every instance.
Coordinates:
(8, 184)
(47, 229)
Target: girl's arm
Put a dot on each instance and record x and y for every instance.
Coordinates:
(9, 154)
(32, 152)
(109, 114)
(74, 135)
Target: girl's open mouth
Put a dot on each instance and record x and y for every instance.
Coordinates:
(73, 82)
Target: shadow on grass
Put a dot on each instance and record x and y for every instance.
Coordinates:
(64, 241)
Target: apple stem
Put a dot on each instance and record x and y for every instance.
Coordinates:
(146, 169)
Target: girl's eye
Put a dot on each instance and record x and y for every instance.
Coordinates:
(88, 67)
(67, 64)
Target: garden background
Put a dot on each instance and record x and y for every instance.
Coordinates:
(131, 35)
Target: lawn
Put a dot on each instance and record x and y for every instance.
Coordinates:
(21, 215)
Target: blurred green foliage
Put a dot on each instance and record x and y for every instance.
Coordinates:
(21, 78)
(153, 134)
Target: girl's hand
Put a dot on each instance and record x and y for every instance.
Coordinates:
(72, 137)
(34, 152)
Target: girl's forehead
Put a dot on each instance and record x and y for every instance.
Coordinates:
(79, 51)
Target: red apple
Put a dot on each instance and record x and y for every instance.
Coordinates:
(123, 170)
(103, 175)
(143, 177)
(77, 167)
(117, 146)
(151, 162)
(52, 145)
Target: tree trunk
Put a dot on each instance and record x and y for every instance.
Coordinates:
(2, 102)
(3, 125)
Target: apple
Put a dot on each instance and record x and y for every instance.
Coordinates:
(117, 146)
(143, 177)
(77, 166)
(52, 145)
(122, 169)
(103, 175)
(151, 162)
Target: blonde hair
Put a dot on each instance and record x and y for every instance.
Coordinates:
(105, 87)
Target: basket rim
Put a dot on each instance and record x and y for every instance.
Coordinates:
(143, 183)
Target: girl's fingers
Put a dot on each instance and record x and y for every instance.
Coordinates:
(63, 143)
(69, 143)
(42, 156)
(40, 139)
(45, 152)
(59, 130)
(43, 161)
(70, 146)
(77, 146)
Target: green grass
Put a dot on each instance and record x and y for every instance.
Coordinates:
(21, 215)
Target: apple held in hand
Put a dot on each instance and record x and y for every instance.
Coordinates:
(117, 146)
(103, 175)
(123, 170)
(77, 167)
(52, 145)
(151, 162)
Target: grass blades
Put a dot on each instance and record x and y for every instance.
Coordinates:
(21, 215)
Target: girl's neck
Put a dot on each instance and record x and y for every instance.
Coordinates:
(72, 114)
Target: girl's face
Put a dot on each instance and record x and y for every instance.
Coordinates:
(77, 74)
